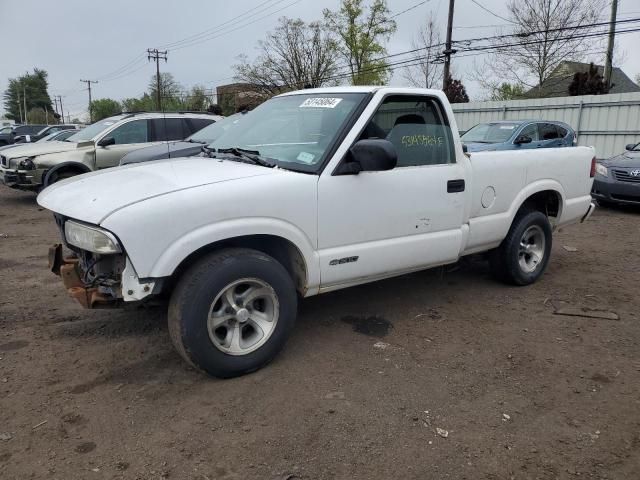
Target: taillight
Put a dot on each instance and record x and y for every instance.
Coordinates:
(593, 167)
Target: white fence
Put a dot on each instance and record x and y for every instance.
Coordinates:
(606, 122)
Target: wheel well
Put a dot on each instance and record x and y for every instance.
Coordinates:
(279, 248)
(78, 168)
(547, 202)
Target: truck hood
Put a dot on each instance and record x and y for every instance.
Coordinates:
(626, 159)
(94, 196)
(35, 149)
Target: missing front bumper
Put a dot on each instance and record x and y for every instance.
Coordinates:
(68, 269)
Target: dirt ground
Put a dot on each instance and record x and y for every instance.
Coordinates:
(361, 389)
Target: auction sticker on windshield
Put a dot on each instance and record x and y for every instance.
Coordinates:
(321, 103)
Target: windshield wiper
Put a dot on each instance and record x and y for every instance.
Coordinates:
(252, 155)
(191, 140)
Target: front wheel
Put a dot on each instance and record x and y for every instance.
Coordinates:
(523, 255)
(232, 312)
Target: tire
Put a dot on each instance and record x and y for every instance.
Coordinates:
(59, 175)
(516, 264)
(205, 320)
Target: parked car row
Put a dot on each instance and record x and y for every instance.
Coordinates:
(100, 145)
(617, 179)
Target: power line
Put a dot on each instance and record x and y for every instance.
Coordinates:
(471, 40)
(489, 11)
(214, 35)
(418, 60)
(242, 17)
(408, 9)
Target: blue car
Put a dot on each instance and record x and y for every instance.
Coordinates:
(517, 134)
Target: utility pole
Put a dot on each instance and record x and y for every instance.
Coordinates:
(24, 99)
(61, 109)
(447, 49)
(608, 68)
(19, 106)
(156, 55)
(88, 82)
(55, 103)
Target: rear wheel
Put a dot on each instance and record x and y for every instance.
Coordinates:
(523, 255)
(232, 312)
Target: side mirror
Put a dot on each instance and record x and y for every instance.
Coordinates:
(465, 149)
(371, 155)
(522, 139)
(106, 141)
(630, 147)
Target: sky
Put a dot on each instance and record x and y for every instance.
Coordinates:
(107, 41)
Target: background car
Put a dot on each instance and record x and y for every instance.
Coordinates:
(186, 148)
(8, 137)
(617, 180)
(517, 134)
(34, 166)
(26, 138)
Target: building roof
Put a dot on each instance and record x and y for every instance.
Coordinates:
(557, 85)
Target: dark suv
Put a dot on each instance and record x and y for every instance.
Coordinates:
(7, 137)
(43, 132)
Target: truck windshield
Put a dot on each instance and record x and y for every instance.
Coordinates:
(490, 133)
(293, 131)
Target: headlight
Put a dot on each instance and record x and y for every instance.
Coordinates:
(89, 238)
(27, 164)
(15, 162)
(602, 170)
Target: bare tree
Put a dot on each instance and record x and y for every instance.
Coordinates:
(546, 33)
(295, 55)
(423, 71)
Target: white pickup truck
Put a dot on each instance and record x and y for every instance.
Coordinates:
(315, 191)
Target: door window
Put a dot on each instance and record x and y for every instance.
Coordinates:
(530, 131)
(166, 129)
(548, 131)
(562, 132)
(197, 124)
(417, 128)
(135, 131)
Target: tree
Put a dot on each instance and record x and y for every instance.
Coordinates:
(423, 72)
(545, 33)
(637, 78)
(507, 91)
(588, 83)
(32, 85)
(104, 107)
(169, 89)
(293, 56)
(360, 35)
(455, 91)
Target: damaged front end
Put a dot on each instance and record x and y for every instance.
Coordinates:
(97, 273)
(93, 282)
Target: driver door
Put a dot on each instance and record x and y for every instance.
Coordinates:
(377, 224)
(128, 136)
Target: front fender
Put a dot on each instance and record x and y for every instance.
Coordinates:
(166, 263)
(81, 167)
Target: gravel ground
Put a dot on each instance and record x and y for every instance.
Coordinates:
(441, 374)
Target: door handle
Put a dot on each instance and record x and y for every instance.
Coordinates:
(455, 186)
